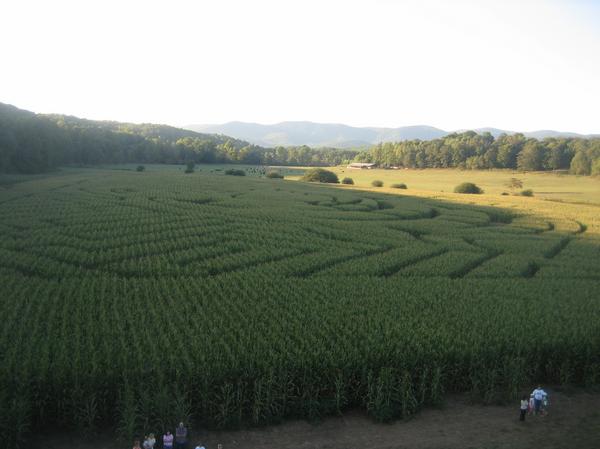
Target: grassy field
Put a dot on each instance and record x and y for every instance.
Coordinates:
(135, 300)
(547, 186)
(251, 170)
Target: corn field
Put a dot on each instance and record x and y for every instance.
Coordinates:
(132, 301)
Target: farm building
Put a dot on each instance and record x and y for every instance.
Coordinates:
(361, 165)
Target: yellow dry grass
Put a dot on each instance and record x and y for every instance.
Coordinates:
(568, 201)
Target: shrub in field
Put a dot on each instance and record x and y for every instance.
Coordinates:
(320, 175)
(377, 183)
(274, 175)
(504, 194)
(399, 186)
(189, 168)
(468, 187)
(526, 192)
(235, 172)
(348, 181)
(140, 168)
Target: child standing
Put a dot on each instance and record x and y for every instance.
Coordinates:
(168, 440)
(531, 404)
(149, 441)
(524, 407)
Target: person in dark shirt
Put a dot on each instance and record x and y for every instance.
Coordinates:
(181, 435)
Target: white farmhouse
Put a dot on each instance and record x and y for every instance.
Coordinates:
(361, 165)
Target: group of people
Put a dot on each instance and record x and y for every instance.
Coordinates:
(537, 403)
(169, 441)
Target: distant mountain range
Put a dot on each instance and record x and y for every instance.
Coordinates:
(343, 136)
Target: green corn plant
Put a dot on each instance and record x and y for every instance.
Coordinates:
(436, 392)
(128, 418)
(383, 396)
(87, 415)
(408, 401)
(341, 399)
(182, 408)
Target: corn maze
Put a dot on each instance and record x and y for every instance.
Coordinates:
(135, 300)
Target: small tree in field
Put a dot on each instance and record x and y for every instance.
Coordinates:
(140, 168)
(377, 183)
(348, 181)
(596, 167)
(514, 184)
(581, 164)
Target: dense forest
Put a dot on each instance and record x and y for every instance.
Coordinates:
(481, 151)
(33, 143)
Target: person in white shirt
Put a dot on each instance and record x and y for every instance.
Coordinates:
(149, 441)
(538, 396)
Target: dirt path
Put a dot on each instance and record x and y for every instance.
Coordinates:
(573, 423)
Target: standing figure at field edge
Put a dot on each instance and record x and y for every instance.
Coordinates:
(524, 407)
(180, 436)
(168, 440)
(149, 442)
(538, 396)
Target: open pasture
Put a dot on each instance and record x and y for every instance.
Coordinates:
(136, 299)
(545, 185)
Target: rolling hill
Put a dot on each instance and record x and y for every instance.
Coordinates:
(318, 134)
(343, 136)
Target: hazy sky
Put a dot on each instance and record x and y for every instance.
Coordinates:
(519, 65)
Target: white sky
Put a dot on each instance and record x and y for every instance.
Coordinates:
(518, 65)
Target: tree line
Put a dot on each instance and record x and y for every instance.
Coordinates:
(34, 143)
(470, 150)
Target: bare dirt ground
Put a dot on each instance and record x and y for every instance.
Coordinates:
(572, 423)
